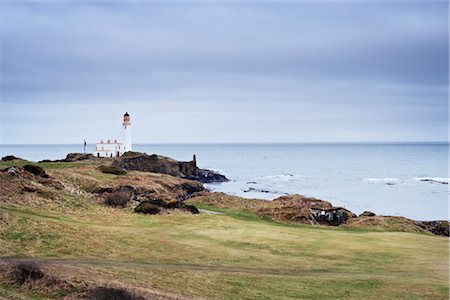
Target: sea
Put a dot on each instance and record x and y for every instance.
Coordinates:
(389, 179)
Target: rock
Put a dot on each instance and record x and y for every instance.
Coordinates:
(333, 216)
(256, 190)
(252, 189)
(112, 170)
(191, 187)
(10, 170)
(434, 180)
(367, 214)
(301, 209)
(436, 227)
(36, 170)
(207, 176)
(165, 165)
(169, 205)
(9, 158)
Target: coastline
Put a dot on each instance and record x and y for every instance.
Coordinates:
(123, 231)
(324, 214)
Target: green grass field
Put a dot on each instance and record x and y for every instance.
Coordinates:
(229, 256)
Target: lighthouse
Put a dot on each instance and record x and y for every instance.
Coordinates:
(127, 132)
(113, 148)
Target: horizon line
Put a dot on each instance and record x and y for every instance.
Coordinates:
(246, 143)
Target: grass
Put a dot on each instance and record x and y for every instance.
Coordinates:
(323, 262)
(46, 166)
(234, 255)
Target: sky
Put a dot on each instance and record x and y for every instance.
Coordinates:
(247, 72)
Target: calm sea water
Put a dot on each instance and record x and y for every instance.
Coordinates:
(383, 178)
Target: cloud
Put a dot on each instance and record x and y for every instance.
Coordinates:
(272, 67)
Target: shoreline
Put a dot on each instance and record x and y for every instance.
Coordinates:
(143, 162)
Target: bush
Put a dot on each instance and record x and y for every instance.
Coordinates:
(172, 204)
(23, 271)
(194, 210)
(146, 207)
(117, 199)
(157, 202)
(112, 170)
(36, 170)
(111, 293)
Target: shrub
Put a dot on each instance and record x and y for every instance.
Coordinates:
(157, 202)
(194, 210)
(111, 293)
(146, 207)
(112, 170)
(23, 271)
(117, 199)
(36, 170)
(172, 204)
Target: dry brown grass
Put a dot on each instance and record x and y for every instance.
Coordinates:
(385, 223)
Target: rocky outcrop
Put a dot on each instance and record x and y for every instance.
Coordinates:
(157, 206)
(165, 165)
(333, 216)
(436, 227)
(301, 209)
(177, 191)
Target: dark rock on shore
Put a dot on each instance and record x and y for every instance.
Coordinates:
(436, 227)
(433, 180)
(207, 176)
(333, 216)
(165, 165)
(252, 189)
(256, 190)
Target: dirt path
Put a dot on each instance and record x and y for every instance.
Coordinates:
(181, 266)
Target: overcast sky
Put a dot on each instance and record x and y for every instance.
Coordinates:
(218, 72)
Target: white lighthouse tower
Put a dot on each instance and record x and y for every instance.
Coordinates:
(127, 133)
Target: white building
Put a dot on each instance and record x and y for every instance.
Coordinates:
(113, 148)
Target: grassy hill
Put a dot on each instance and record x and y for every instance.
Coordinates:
(234, 255)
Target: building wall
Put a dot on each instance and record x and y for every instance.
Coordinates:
(108, 149)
